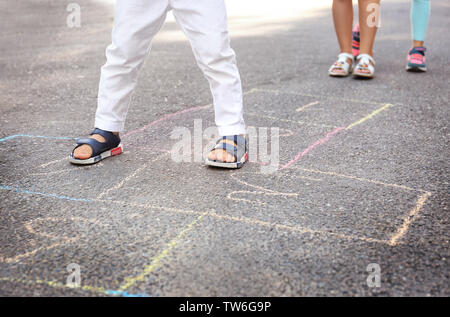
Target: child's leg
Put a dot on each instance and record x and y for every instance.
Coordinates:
(135, 24)
(343, 24)
(205, 24)
(420, 12)
(367, 30)
(369, 14)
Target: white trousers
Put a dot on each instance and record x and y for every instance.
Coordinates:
(136, 23)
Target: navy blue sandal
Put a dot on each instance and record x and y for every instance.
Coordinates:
(238, 150)
(100, 150)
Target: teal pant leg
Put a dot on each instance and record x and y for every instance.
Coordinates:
(420, 12)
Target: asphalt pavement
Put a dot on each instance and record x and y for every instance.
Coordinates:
(362, 176)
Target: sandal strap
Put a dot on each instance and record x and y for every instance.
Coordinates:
(365, 58)
(231, 149)
(344, 56)
(420, 49)
(106, 134)
(111, 142)
(237, 139)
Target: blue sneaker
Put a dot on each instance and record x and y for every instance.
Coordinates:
(416, 60)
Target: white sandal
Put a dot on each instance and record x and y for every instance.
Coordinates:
(342, 64)
(364, 68)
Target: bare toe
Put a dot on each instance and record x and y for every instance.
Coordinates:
(224, 156)
(83, 152)
(220, 156)
(212, 155)
(229, 158)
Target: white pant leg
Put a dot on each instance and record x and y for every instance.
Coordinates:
(205, 24)
(135, 24)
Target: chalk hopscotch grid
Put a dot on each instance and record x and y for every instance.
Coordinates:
(164, 254)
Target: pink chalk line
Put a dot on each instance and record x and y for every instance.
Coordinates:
(312, 146)
(164, 118)
(295, 159)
